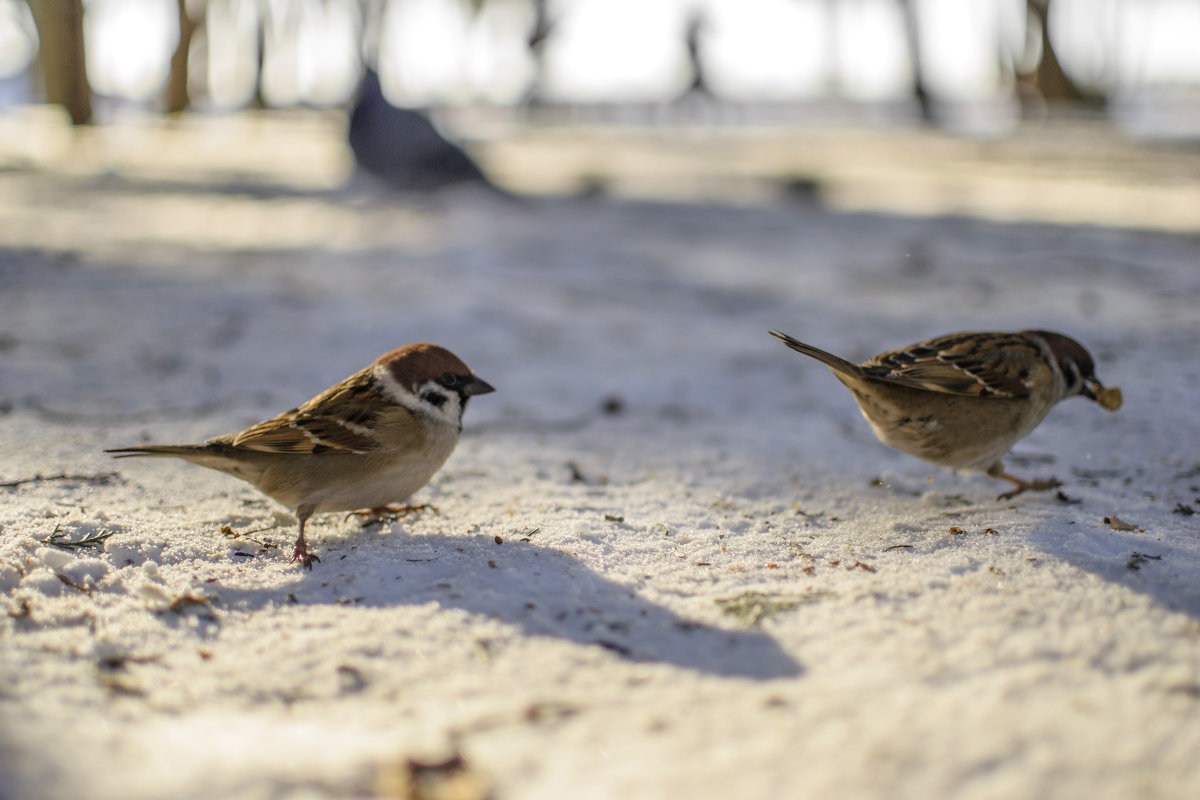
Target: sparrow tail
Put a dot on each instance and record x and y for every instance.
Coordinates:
(212, 455)
(169, 450)
(835, 363)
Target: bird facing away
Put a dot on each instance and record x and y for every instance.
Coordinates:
(964, 399)
(373, 439)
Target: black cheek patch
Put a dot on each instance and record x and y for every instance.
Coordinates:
(434, 399)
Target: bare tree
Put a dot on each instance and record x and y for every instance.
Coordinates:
(1049, 79)
(912, 30)
(176, 98)
(61, 57)
(542, 29)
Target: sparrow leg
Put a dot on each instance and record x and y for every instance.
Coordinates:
(300, 552)
(391, 513)
(1039, 485)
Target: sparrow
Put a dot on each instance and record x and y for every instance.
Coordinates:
(964, 399)
(372, 439)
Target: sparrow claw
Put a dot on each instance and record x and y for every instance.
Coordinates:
(301, 554)
(1038, 485)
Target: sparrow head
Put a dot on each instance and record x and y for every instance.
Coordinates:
(1078, 370)
(428, 378)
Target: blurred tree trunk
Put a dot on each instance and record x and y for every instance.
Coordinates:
(542, 28)
(258, 101)
(60, 56)
(176, 97)
(693, 34)
(912, 30)
(1049, 79)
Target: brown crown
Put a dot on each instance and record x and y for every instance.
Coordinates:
(1066, 349)
(414, 364)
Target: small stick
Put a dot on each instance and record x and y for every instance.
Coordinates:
(100, 478)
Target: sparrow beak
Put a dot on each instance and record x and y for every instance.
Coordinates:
(1087, 391)
(477, 386)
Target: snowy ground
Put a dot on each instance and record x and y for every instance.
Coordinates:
(669, 560)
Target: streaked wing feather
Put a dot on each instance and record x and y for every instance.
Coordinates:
(337, 419)
(976, 365)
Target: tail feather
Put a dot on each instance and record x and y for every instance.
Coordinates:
(835, 363)
(161, 450)
(209, 455)
(213, 455)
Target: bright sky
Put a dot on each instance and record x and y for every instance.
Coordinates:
(631, 50)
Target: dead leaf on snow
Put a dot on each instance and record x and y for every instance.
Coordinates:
(451, 778)
(1118, 524)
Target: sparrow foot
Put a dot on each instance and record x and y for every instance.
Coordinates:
(300, 553)
(390, 513)
(1038, 485)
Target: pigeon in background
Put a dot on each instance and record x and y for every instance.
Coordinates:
(402, 148)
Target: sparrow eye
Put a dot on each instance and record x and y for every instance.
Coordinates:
(449, 380)
(435, 399)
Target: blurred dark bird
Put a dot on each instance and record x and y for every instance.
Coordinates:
(402, 148)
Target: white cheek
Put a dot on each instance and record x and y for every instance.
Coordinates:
(394, 390)
(1074, 381)
(449, 412)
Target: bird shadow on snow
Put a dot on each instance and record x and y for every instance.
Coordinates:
(543, 591)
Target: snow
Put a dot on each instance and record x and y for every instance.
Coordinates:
(669, 558)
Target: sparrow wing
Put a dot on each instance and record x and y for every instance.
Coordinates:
(970, 364)
(339, 419)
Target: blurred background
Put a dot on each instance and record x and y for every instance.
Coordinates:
(977, 66)
(210, 209)
(907, 106)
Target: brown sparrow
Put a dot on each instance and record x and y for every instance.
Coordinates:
(963, 400)
(374, 438)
